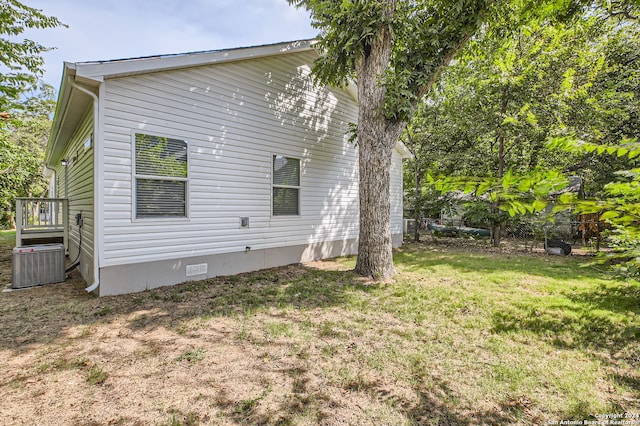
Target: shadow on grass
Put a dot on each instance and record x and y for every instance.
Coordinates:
(585, 320)
(486, 260)
(623, 298)
(316, 405)
(597, 319)
(430, 410)
(603, 323)
(41, 315)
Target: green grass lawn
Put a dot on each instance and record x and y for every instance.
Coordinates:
(494, 337)
(459, 337)
(7, 238)
(7, 242)
(528, 331)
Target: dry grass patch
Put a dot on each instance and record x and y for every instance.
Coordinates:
(460, 337)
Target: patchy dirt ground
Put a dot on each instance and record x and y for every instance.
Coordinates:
(274, 347)
(190, 354)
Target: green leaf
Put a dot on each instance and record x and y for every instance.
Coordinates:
(539, 205)
(469, 187)
(609, 215)
(483, 187)
(627, 219)
(507, 180)
(430, 179)
(567, 198)
(510, 120)
(560, 208)
(622, 151)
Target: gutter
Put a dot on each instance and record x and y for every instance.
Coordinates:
(59, 116)
(96, 116)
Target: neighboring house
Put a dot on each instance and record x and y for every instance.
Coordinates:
(183, 167)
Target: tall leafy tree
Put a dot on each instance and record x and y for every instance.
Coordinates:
(23, 139)
(395, 51)
(25, 106)
(21, 59)
(504, 84)
(599, 100)
(508, 93)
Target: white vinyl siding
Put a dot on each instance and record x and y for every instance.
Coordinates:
(235, 116)
(76, 184)
(161, 176)
(396, 189)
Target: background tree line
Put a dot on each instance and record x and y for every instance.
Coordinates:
(26, 107)
(490, 119)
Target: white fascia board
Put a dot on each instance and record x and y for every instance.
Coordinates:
(65, 113)
(404, 152)
(61, 106)
(98, 71)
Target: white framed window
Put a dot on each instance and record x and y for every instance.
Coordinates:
(161, 176)
(285, 186)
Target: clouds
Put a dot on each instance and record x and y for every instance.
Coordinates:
(114, 29)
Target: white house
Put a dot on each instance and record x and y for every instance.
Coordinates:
(188, 166)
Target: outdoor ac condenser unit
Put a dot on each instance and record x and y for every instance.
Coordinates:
(38, 264)
(409, 226)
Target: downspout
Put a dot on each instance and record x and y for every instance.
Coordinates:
(55, 177)
(96, 117)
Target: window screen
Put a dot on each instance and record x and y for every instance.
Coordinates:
(161, 176)
(286, 186)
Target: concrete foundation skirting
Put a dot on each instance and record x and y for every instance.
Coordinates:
(133, 278)
(396, 240)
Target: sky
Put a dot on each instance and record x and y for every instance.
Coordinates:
(117, 29)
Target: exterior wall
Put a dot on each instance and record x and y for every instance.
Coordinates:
(79, 191)
(234, 117)
(397, 193)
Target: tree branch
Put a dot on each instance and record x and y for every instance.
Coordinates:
(448, 57)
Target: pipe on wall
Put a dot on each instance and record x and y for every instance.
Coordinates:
(96, 116)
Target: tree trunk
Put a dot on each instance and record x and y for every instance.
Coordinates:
(377, 137)
(375, 245)
(496, 226)
(418, 201)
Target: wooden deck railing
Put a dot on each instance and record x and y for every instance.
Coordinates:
(41, 220)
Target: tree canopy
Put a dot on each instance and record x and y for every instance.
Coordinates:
(26, 105)
(420, 38)
(21, 59)
(509, 93)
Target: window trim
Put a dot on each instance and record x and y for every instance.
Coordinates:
(273, 185)
(135, 176)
